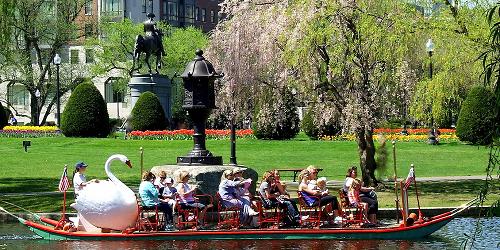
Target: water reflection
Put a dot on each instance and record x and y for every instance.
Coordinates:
(14, 236)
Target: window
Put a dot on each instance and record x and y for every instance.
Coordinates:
(212, 16)
(189, 18)
(88, 7)
(197, 14)
(17, 95)
(89, 55)
(73, 56)
(89, 30)
(144, 7)
(111, 7)
(173, 14)
(151, 6)
(112, 91)
(203, 15)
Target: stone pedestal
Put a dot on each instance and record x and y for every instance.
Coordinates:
(158, 84)
(207, 177)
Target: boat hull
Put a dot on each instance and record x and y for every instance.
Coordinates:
(391, 233)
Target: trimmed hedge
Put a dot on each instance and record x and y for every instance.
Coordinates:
(148, 113)
(3, 117)
(476, 120)
(276, 117)
(86, 113)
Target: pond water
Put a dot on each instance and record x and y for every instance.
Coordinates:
(452, 236)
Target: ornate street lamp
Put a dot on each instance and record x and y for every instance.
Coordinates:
(57, 62)
(37, 95)
(432, 133)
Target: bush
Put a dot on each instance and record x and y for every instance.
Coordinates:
(86, 113)
(321, 119)
(3, 117)
(476, 120)
(148, 113)
(276, 117)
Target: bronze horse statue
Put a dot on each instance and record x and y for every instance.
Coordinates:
(150, 44)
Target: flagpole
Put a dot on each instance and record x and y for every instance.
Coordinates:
(63, 215)
(142, 161)
(395, 180)
(416, 192)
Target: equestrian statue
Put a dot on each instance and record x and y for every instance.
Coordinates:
(150, 44)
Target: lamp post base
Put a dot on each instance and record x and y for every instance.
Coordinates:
(199, 160)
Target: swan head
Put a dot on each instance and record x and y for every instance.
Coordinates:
(124, 159)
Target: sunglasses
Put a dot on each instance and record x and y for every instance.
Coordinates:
(163, 177)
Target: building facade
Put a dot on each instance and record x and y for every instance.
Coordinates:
(179, 13)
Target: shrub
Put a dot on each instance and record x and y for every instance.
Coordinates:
(476, 120)
(148, 113)
(320, 120)
(3, 117)
(86, 113)
(276, 116)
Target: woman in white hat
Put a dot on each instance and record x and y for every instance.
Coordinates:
(186, 196)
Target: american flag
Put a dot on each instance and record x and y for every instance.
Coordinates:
(410, 178)
(64, 182)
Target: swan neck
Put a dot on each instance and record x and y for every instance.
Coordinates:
(110, 175)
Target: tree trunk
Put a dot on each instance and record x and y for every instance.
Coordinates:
(34, 109)
(366, 149)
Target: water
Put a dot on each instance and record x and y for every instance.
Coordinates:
(16, 236)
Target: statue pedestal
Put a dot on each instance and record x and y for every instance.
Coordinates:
(158, 84)
(207, 177)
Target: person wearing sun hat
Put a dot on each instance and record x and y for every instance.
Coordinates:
(79, 178)
(187, 194)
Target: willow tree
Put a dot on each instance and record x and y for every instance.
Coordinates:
(346, 52)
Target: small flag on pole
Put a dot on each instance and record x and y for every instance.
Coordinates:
(64, 182)
(410, 178)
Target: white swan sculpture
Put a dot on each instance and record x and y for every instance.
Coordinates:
(108, 204)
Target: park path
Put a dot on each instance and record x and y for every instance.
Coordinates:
(330, 183)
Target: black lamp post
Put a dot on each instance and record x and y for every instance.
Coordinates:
(57, 62)
(37, 95)
(430, 49)
(232, 158)
(199, 100)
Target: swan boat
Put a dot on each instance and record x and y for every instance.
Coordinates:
(45, 229)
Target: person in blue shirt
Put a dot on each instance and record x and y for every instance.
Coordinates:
(149, 198)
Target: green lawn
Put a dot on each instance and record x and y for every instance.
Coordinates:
(40, 168)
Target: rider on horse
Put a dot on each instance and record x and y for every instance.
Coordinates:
(151, 29)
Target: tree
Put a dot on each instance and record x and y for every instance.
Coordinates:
(276, 116)
(3, 117)
(148, 113)
(41, 28)
(86, 113)
(477, 117)
(321, 119)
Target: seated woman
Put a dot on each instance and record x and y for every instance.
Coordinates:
(311, 174)
(272, 196)
(366, 194)
(228, 191)
(149, 198)
(186, 196)
(243, 192)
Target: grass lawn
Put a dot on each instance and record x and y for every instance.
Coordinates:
(40, 168)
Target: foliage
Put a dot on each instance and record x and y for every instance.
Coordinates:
(3, 117)
(276, 116)
(148, 114)
(477, 117)
(85, 113)
(30, 131)
(33, 31)
(320, 120)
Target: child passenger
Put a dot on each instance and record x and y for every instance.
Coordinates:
(353, 195)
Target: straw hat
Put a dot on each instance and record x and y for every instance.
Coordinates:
(238, 170)
(183, 175)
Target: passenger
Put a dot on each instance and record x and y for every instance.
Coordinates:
(186, 196)
(366, 194)
(321, 184)
(169, 192)
(228, 191)
(271, 197)
(354, 198)
(150, 200)
(79, 179)
(311, 174)
(160, 182)
(243, 192)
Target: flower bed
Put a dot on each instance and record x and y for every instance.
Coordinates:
(30, 131)
(187, 134)
(420, 134)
